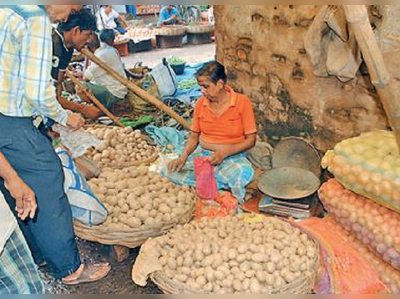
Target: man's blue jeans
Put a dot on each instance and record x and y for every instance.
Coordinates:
(50, 234)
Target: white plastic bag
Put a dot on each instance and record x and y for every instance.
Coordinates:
(77, 142)
(165, 78)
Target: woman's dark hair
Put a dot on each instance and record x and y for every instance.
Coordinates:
(213, 70)
(107, 35)
(84, 19)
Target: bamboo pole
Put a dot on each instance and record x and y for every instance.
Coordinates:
(135, 89)
(94, 99)
(357, 17)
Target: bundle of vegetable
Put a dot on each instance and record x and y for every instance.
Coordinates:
(120, 147)
(188, 84)
(389, 276)
(368, 165)
(173, 60)
(374, 225)
(138, 198)
(237, 254)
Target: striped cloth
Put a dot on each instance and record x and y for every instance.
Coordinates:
(25, 64)
(18, 272)
(234, 174)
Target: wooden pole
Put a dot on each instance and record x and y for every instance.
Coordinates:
(357, 16)
(135, 89)
(94, 100)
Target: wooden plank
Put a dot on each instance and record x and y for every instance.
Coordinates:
(357, 17)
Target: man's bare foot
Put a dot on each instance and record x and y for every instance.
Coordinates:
(87, 274)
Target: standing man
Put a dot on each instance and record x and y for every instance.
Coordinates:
(74, 34)
(169, 15)
(18, 272)
(26, 94)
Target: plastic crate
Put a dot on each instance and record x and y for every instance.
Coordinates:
(199, 39)
(142, 46)
(169, 41)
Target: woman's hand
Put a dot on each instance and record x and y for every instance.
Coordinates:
(176, 165)
(217, 158)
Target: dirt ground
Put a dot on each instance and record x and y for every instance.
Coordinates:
(191, 54)
(117, 282)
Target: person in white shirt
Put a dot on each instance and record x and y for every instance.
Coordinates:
(18, 272)
(107, 19)
(104, 87)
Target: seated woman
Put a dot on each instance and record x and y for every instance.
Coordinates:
(224, 126)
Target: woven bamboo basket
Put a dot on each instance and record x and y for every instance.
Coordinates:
(200, 29)
(128, 164)
(303, 285)
(128, 238)
(171, 31)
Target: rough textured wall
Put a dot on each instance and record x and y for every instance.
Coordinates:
(262, 47)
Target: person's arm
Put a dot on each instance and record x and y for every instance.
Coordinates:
(60, 80)
(192, 142)
(122, 20)
(24, 197)
(191, 145)
(36, 61)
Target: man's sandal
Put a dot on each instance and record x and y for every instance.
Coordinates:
(89, 273)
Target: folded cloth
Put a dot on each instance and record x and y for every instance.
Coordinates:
(234, 173)
(168, 136)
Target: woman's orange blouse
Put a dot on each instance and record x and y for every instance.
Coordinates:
(231, 127)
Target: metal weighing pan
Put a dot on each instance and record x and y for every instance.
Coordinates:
(288, 183)
(298, 153)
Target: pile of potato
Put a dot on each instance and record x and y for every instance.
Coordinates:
(237, 254)
(375, 226)
(388, 275)
(137, 198)
(368, 165)
(120, 146)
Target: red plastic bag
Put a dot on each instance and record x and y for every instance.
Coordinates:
(225, 204)
(205, 179)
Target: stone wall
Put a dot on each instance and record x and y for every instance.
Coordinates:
(262, 47)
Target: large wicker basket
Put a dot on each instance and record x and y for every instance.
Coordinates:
(128, 238)
(200, 29)
(128, 164)
(303, 285)
(171, 31)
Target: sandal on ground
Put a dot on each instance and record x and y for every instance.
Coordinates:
(88, 274)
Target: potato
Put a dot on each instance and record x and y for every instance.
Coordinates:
(142, 214)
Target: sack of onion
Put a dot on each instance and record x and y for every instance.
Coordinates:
(374, 225)
(235, 254)
(387, 274)
(370, 166)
